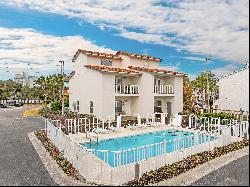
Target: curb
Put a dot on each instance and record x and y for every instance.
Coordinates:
(52, 167)
(195, 174)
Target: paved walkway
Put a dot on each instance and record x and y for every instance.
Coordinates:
(235, 173)
(19, 163)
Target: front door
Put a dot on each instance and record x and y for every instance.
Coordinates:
(118, 107)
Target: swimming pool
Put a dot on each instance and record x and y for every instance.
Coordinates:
(142, 146)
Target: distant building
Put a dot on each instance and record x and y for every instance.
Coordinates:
(25, 79)
(234, 90)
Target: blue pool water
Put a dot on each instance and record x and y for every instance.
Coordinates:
(185, 139)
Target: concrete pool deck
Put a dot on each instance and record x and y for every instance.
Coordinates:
(81, 137)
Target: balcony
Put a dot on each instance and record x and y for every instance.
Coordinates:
(126, 90)
(164, 90)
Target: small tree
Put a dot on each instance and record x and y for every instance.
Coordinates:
(202, 82)
(188, 103)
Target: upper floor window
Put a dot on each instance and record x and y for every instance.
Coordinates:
(106, 62)
(91, 107)
(78, 106)
(146, 64)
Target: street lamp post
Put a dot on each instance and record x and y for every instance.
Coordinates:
(208, 104)
(62, 90)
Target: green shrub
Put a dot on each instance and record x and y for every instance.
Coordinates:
(220, 115)
(56, 105)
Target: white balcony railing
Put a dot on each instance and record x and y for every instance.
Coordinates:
(163, 89)
(126, 89)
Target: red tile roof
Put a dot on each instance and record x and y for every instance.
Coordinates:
(69, 76)
(97, 55)
(160, 71)
(139, 56)
(112, 70)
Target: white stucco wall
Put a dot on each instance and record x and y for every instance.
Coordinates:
(178, 95)
(145, 102)
(127, 61)
(108, 95)
(89, 85)
(234, 91)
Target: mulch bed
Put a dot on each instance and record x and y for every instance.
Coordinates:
(66, 166)
(169, 171)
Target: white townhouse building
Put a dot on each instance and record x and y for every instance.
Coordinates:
(234, 90)
(123, 83)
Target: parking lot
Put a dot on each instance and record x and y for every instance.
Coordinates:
(19, 162)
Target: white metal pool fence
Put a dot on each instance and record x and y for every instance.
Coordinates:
(82, 125)
(208, 124)
(132, 163)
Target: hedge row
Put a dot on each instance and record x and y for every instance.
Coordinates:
(169, 171)
(222, 115)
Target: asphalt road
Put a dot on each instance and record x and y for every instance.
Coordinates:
(235, 173)
(19, 163)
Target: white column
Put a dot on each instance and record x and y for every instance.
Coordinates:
(163, 119)
(75, 126)
(102, 123)
(139, 119)
(109, 125)
(147, 120)
(118, 121)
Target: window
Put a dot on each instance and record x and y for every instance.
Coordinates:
(118, 83)
(158, 106)
(106, 62)
(91, 107)
(78, 106)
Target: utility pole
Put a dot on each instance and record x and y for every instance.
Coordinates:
(62, 87)
(208, 104)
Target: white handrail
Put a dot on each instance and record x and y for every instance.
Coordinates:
(126, 89)
(163, 89)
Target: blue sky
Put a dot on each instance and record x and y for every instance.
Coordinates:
(35, 35)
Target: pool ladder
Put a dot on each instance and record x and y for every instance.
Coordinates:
(91, 140)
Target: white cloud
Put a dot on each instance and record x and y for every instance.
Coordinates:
(219, 28)
(193, 58)
(224, 70)
(171, 67)
(18, 47)
(192, 77)
(149, 38)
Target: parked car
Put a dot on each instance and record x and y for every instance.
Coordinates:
(15, 103)
(3, 105)
(11, 103)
